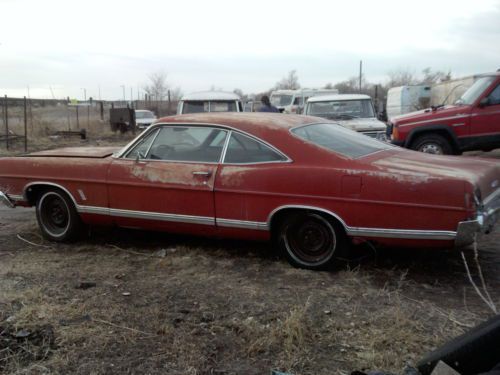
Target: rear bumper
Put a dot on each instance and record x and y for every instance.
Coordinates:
(486, 219)
(4, 199)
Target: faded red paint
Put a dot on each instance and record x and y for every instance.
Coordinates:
(396, 189)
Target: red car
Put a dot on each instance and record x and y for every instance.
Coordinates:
(310, 183)
(472, 123)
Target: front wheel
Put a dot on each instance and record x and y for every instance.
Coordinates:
(432, 144)
(309, 240)
(57, 216)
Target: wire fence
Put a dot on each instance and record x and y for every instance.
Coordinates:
(24, 120)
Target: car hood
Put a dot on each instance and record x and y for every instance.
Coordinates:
(428, 114)
(419, 167)
(77, 152)
(363, 124)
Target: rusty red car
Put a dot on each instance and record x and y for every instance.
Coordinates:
(309, 183)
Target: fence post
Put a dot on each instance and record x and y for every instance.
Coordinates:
(6, 106)
(25, 125)
(102, 110)
(77, 118)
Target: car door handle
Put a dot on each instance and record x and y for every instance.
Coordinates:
(202, 173)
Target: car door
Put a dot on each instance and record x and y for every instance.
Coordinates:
(485, 120)
(251, 180)
(165, 180)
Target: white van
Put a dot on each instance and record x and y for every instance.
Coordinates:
(293, 101)
(353, 111)
(209, 101)
(406, 99)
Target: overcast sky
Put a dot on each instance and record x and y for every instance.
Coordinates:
(69, 46)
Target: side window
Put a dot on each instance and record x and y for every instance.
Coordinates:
(195, 107)
(495, 96)
(195, 144)
(242, 150)
(142, 147)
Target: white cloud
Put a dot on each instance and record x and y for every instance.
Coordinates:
(235, 44)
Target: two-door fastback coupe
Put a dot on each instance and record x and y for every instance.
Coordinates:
(311, 184)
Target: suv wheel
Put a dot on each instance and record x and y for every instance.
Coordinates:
(432, 144)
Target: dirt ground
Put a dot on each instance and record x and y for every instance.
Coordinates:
(133, 302)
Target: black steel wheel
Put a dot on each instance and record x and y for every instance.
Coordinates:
(309, 240)
(57, 216)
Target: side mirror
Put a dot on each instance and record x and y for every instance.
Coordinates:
(484, 102)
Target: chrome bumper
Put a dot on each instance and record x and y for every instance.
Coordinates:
(485, 221)
(4, 198)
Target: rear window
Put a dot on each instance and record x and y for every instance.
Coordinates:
(340, 140)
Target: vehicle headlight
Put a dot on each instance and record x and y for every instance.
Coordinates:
(478, 200)
(382, 137)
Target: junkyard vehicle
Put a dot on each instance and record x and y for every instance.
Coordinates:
(310, 183)
(209, 101)
(293, 101)
(144, 118)
(353, 111)
(122, 119)
(252, 106)
(472, 123)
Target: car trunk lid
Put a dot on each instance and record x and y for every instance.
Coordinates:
(77, 152)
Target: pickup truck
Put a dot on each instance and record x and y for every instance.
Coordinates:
(471, 123)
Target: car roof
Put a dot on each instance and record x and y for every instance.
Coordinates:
(340, 97)
(211, 95)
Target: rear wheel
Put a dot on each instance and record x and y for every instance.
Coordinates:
(57, 216)
(309, 240)
(432, 144)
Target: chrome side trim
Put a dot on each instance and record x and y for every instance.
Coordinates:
(416, 234)
(146, 215)
(16, 197)
(230, 223)
(412, 234)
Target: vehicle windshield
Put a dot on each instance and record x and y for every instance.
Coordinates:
(342, 109)
(281, 100)
(340, 140)
(471, 95)
(144, 114)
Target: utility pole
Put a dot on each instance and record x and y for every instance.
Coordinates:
(84, 94)
(360, 73)
(123, 88)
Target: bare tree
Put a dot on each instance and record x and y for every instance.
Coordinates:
(158, 86)
(328, 86)
(290, 82)
(401, 77)
(430, 76)
(176, 94)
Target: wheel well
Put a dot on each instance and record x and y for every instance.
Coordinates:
(279, 217)
(442, 132)
(33, 192)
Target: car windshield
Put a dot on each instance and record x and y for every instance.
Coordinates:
(342, 109)
(471, 95)
(143, 114)
(340, 140)
(281, 100)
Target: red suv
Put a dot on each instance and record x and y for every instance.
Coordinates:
(472, 123)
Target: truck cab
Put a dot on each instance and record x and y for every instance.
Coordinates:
(353, 111)
(293, 101)
(209, 101)
(471, 123)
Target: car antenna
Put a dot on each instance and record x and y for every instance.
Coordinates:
(435, 107)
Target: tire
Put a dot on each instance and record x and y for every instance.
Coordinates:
(308, 240)
(476, 351)
(57, 216)
(432, 144)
